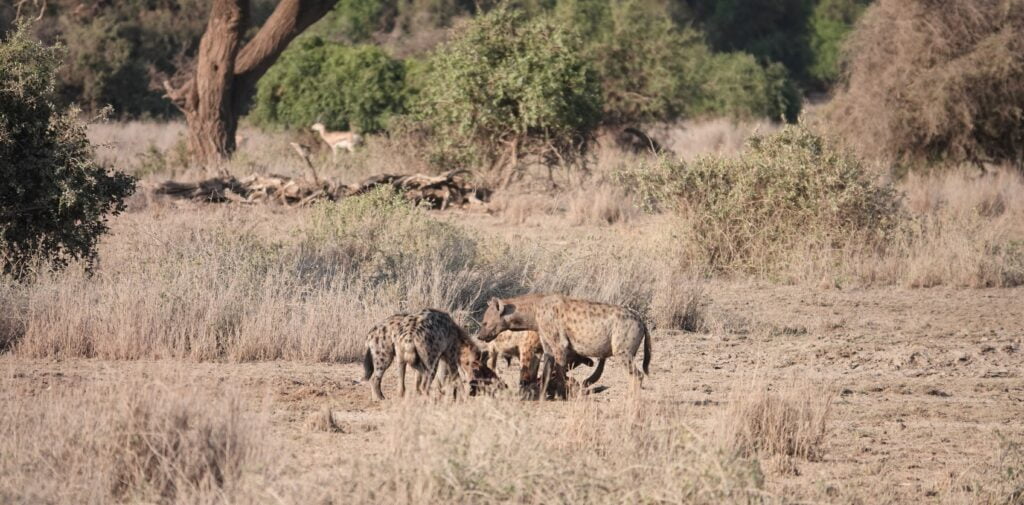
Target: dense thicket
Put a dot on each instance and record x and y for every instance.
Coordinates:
(929, 84)
(652, 69)
(657, 59)
(345, 87)
(507, 87)
(54, 198)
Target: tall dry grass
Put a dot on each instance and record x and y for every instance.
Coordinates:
(789, 419)
(226, 283)
(494, 451)
(131, 442)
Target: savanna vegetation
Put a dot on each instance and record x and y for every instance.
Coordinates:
(816, 206)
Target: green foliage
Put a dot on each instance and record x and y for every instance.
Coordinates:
(54, 198)
(653, 70)
(344, 87)
(351, 21)
(771, 30)
(736, 85)
(831, 22)
(787, 191)
(112, 49)
(510, 86)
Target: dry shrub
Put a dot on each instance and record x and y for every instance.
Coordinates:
(602, 203)
(721, 136)
(790, 420)
(965, 230)
(788, 191)
(323, 420)
(132, 442)
(679, 302)
(936, 81)
(212, 288)
(519, 208)
(495, 451)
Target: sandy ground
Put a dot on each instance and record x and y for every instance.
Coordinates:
(927, 379)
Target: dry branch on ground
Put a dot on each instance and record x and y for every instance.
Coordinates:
(439, 191)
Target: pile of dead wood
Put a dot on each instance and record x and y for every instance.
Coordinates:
(438, 191)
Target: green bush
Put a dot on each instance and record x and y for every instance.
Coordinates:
(734, 84)
(351, 21)
(507, 87)
(112, 49)
(54, 198)
(653, 70)
(789, 191)
(771, 30)
(347, 88)
(831, 22)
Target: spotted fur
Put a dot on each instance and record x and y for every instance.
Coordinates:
(568, 326)
(423, 341)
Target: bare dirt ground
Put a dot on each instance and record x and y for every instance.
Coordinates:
(928, 379)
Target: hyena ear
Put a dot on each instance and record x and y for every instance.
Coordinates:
(506, 309)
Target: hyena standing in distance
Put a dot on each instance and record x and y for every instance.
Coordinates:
(424, 341)
(568, 326)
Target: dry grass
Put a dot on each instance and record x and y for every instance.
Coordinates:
(789, 420)
(139, 441)
(494, 451)
(724, 137)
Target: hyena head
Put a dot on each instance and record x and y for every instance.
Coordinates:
(473, 362)
(495, 319)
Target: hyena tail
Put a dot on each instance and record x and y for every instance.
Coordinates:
(367, 365)
(647, 349)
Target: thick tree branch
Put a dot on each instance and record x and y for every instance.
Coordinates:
(289, 19)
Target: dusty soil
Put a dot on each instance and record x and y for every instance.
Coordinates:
(926, 380)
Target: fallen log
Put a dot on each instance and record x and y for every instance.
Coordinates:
(437, 191)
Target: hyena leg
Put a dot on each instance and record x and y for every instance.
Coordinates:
(596, 374)
(401, 378)
(635, 377)
(529, 362)
(452, 376)
(382, 359)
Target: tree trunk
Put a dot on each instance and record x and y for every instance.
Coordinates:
(225, 75)
(209, 110)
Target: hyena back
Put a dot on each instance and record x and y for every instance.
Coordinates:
(594, 329)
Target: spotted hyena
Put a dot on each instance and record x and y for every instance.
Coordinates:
(424, 341)
(524, 345)
(566, 326)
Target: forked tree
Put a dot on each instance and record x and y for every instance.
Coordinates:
(214, 90)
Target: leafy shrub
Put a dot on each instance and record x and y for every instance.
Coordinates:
(54, 198)
(344, 87)
(771, 30)
(653, 70)
(789, 190)
(927, 84)
(507, 87)
(113, 47)
(351, 21)
(735, 85)
(831, 22)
